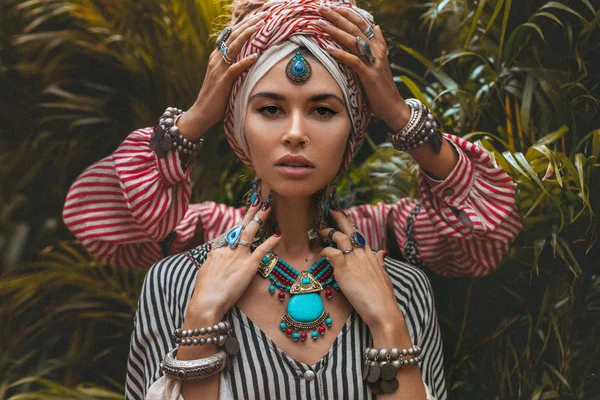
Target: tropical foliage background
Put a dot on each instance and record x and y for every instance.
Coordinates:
(520, 77)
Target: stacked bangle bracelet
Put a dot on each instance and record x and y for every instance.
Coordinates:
(422, 127)
(381, 366)
(202, 368)
(166, 136)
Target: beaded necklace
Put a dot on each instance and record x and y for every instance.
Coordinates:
(305, 310)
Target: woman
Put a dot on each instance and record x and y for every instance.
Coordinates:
(296, 116)
(132, 209)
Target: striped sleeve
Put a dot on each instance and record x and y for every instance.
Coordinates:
(122, 206)
(466, 223)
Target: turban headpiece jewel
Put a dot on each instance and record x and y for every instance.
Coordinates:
(289, 25)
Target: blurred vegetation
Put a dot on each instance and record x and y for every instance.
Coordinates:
(520, 78)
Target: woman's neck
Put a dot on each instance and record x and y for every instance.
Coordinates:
(295, 217)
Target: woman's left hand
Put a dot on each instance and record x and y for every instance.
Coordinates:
(376, 78)
(361, 276)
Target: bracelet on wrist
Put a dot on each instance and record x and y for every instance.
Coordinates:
(166, 136)
(382, 365)
(193, 369)
(422, 128)
(203, 367)
(223, 337)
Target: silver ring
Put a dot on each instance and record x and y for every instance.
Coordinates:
(356, 228)
(330, 235)
(224, 55)
(223, 36)
(350, 250)
(220, 243)
(258, 221)
(365, 50)
(369, 32)
(306, 142)
(244, 243)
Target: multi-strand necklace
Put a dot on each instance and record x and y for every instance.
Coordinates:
(305, 311)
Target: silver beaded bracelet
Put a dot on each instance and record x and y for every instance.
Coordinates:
(422, 128)
(223, 337)
(166, 136)
(382, 365)
(193, 369)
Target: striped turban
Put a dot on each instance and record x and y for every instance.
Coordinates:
(289, 25)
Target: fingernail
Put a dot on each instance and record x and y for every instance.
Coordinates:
(265, 206)
(261, 22)
(277, 234)
(255, 202)
(322, 22)
(325, 7)
(330, 48)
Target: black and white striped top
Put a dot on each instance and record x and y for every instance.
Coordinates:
(261, 370)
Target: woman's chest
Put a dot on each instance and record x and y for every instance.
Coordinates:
(269, 314)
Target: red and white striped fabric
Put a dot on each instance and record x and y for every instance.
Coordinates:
(121, 207)
(285, 19)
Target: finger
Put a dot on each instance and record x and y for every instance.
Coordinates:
(344, 223)
(342, 23)
(379, 34)
(234, 47)
(335, 257)
(238, 28)
(252, 227)
(238, 67)
(261, 251)
(350, 60)
(380, 255)
(341, 240)
(340, 36)
(353, 17)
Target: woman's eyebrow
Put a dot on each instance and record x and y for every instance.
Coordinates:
(268, 95)
(326, 96)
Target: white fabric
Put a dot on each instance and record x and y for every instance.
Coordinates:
(170, 389)
(265, 62)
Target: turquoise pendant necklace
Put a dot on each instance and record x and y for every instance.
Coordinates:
(305, 311)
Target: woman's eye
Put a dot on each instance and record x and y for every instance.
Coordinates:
(324, 111)
(269, 110)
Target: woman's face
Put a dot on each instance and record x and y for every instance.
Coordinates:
(282, 115)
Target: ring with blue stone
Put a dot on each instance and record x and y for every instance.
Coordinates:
(224, 55)
(365, 49)
(357, 239)
(223, 36)
(233, 236)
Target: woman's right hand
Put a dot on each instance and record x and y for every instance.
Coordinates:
(209, 107)
(226, 272)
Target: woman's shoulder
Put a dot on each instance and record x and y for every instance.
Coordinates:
(410, 282)
(177, 273)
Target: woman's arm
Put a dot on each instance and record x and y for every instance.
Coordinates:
(461, 225)
(124, 205)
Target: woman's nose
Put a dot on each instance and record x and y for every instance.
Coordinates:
(295, 132)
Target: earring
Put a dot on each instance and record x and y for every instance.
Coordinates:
(327, 201)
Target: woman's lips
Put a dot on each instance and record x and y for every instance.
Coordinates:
(294, 171)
